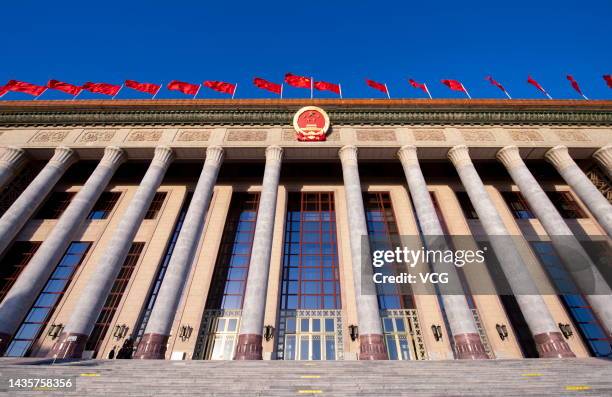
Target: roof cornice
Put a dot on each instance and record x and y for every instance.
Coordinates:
(280, 112)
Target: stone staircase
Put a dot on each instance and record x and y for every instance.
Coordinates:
(536, 377)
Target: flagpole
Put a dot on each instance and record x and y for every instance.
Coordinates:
(585, 97)
(548, 95)
(311, 87)
(387, 89)
(158, 90)
(36, 97)
(120, 88)
(340, 89)
(281, 95)
(234, 92)
(196, 94)
(466, 91)
(78, 93)
(427, 90)
(508, 95)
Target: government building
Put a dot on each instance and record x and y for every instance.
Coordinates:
(243, 229)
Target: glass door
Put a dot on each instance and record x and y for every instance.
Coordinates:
(310, 338)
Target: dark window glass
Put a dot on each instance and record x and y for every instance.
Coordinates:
(384, 235)
(466, 205)
(232, 267)
(36, 319)
(517, 204)
(14, 262)
(310, 263)
(114, 297)
(104, 205)
(566, 205)
(55, 205)
(156, 205)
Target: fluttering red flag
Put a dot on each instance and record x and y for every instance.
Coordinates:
(3, 90)
(267, 85)
(102, 88)
(378, 86)
(608, 79)
(185, 88)
(420, 86)
(298, 81)
(454, 85)
(26, 88)
(221, 86)
(325, 86)
(64, 87)
(537, 85)
(149, 88)
(575, 85)
(498, 85)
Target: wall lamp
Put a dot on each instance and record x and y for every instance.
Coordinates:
(502, 331)
(185, 332)
(268, 332)
(566, 330)
(437, 332)
(353, 332)
(120, 331)
(55, 330)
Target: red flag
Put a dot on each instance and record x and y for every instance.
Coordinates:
(537, 85)
(102, 88)
(325, 86)
(221, 86)
(574, 84)
(298, 81)
(27, 88)
(418, 85)
(496, 84)
(454, 85)
(377, 86)
(608, 79)
(185, 88)
(3, 90)
(143, 87)
(65, 87)
(267, 85)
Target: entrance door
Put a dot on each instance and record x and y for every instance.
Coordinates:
(403, 335)
(310, 338)
(219, 336)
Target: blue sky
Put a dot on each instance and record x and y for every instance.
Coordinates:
(336, 41)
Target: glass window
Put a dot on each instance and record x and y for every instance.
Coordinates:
(55, 205)
(104, 205)
(517, 204)
(466, 205)
(156, 205)
(13, 263)
(566, 205)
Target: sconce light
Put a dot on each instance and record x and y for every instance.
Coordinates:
(566, 330)
(185, 332)
(502, 331)
(268, 332)
(437, 332)
(354, 332)
(55, 330)
(120, 331)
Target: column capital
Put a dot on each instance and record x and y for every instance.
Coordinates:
(113, 156)
(510, 157)
(274, 152)
(559, 157)
(214, 154)
(459, 155)
(604, 156)
(164, 155)
(13, 157)
(63, 157)
(348, 154)
(408, 155)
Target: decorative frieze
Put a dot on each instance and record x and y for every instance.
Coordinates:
(572, 135)
(376, 135)
(289, 135)
(45, 136)
(429, 135)
(525, 135)
(193, 135)
(96, 136)
(478, 135)
(144, 136)
(246, 135)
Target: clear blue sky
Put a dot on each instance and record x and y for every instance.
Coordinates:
(333, 40)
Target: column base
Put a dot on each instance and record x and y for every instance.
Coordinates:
(469, 347)
(5, 339)
(552, 345)
(249, 347)
(152, 347)
(372, 347)
(69, 345)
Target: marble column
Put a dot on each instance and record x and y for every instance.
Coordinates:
(249, 345)
(582, 185)
(572, 254)
(460, 318)
(155, 339)
(371, 342)
(549, 341)
(32, 197)
(604, 157)
(33, 278)
(77, 330)
(11, 161)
